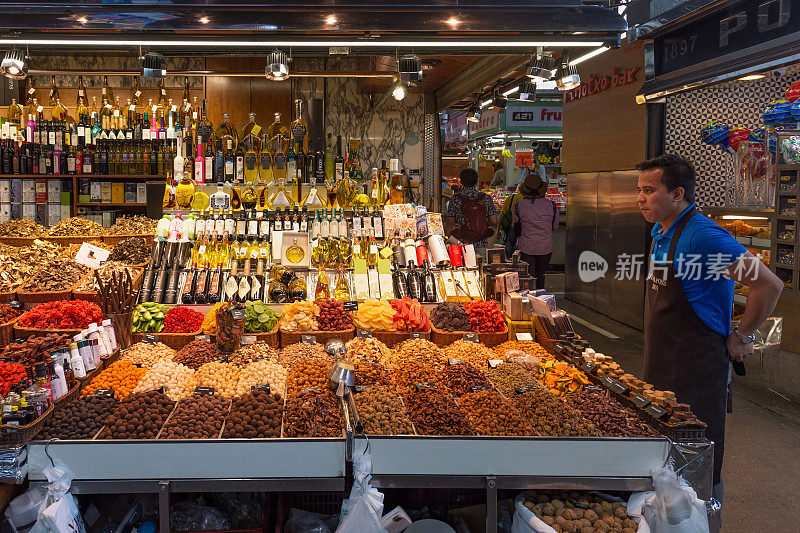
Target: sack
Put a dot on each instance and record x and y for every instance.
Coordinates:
(476, 222)
(361, 512)
(525, 521)
(672, 508)
(59, 511)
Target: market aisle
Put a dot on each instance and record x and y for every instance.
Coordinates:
(762, 456)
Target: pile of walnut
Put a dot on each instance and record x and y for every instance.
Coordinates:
(581, 513)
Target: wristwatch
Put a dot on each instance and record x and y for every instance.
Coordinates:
(744, 339)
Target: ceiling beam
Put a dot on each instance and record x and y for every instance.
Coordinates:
(485, 71)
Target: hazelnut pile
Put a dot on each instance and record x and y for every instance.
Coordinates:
(460, 378)
(474, 353)
(581, 513)
(434, 412)
(197, 417)
(222, 376)
(255, 415)
(507, 377)
(551, 416)
(140, 416)
(177, 380)
(301, 352)
(491, 414)
(369, 373)
(420, 350)
(81, 419)
(313, 413)
(257, 351)
(307, 374)
(146, 355)
(369, 349)
(609, 416)
(260, 373)
(411, 373)
(382, 412)
(196, 354)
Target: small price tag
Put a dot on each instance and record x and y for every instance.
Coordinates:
(615, 385)
(524, 337)
(476, 388)
(560, 348)
(588, 367)
(494, 363)
(202, 338)
(351, 305)
(311, 389)
(91, 256)
(204, 391)
(577, 359)
(309, 339)
(239, 314)
(132, 107)
(524, 389)
(423, 386)
(264, 387)
(174, 108)
(471, 337)
(364, 334)
(40, 109)
(149, 338)
(640, 401)
(453, 361)
(656, 411)
(418, 335)
(360, 388)
(138, 93)
(16, 304)
(33, 91)
(104, 393)
(248, 339)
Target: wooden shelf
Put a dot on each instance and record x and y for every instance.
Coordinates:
(99, 204)
(781, 241)
(93, 176)
(784, 266)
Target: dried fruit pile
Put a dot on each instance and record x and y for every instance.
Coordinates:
(562, 379)
(450, 316)
(374, 315)
(182, 320)
(410, 315)
(8, 313)
(10, 375)
(332, 316)
(63, 314)
(485, 316)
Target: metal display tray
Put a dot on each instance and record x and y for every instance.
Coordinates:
(105, 460)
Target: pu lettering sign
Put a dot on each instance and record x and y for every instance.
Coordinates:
(618, 78)
(770, 16)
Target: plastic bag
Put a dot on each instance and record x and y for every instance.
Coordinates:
(673, 508)
(362, 511)
(242, 509)
(525, 521)
(304, 522)
(192, 516)
(59, 512)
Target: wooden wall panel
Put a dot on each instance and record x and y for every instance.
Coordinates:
(268, 97)
(607, 130)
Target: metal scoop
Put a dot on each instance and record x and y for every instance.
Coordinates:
(342, 378)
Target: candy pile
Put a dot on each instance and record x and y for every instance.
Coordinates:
(121, 377)
(485, 316)
(262, 373)
(146, 355)
(64, 314)
(450, 316)
(409, 315)
(182, 320)
(376, 315)
(176, 380)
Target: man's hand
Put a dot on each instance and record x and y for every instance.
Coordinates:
(737, 350)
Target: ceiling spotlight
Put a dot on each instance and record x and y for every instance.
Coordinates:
(541, 68)
(153, 65)
(486, 103)
(204, 20)
(399, 90)
(410, 68)
(453, 22)
(277, 66)
(499, 100)
(331, 20)
(752, 77)
(474, 114)
(567, 77)
(83, 20)
(527, 91)
(14, 65)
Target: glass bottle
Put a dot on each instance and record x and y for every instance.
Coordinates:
(342, 290)
(229, 161)
(298, 128)
(278, 141)
(399, 282)
(346, 191)
(353, 161)
(251, 141)
(329, 161)
(226, 135)
(323, 291)
(414, 283)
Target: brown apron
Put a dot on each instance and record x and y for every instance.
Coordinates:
(681, 353)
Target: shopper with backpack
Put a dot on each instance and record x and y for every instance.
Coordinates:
(534, 220)
(471, 216)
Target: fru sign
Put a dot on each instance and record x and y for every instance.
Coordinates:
(594, 85)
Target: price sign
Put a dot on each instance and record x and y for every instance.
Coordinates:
(104, 393)
(471, 337)
(640, 401)
(588, 367)
(364, 334)
(615, 385)
(524, 159)
(452, 361)
(264, 387)
(494, 363)
(360, 388)
(524, 389)
(422, 386)
(16, 304)
(476, 388)
(350, 306)
(204, 391)
(205, 338)
(656, 411)
(524, 337)
(309, 339)
(91, 256)
(248, 339)
(418, 335)
(239, 314)
(149, 338)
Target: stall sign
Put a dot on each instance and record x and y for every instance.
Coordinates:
(524, 159)
(597, 84)
(533, 117)
(489, 123)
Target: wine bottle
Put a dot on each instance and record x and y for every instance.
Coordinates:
(414, 283)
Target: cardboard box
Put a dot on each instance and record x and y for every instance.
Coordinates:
(517, 306)
(53, 191)
(96, 192)
(5, 212)
(5, 191)
(28, 191)
(41, 191)
(53, 214)
(141, 193)
(15, 194)
(507, 282)
(429, 224)
(130, 193)
(117, 193)
(105, 192)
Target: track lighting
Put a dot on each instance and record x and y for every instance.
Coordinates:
(527, 91)
(410, 67)
(153, 65)
(541, 68)
(399, 91)
(15, 64)
(567, 77)
(277, 66)
(474, 114)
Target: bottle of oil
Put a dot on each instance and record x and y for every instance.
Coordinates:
(342, 290)
(323, 291)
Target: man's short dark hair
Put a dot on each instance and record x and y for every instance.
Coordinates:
(675, 172)
(468, 177)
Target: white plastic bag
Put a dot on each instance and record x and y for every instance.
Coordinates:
(362, 511)
(59, 512)
(525, 521)
(673, 508)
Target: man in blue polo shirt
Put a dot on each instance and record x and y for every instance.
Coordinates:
(688, 339)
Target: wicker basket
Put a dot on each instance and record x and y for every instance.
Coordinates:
(18, 241)
(69, 397)
(7, 332)
(21, 332)
(71, 239)
(12, 435)
(293, 337)
(91, 296)
(270, 337)
(393, 338)
(111, 359)
(8, 297)
(114, 239)
(44, 297)
(176, 341)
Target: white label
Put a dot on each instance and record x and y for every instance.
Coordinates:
(91, 256)
(374, 194)
(116, 112)
(254, 254)
(33, 91)
(133, 107)
(174, 108)
(104, 90)
(39, 109)
(194, 115)
(138, 93)
(524, 337)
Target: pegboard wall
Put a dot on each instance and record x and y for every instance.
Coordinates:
(737, 103)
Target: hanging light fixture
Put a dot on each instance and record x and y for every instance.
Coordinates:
(567, 77)
(153, 65)
(277, 66)
(527, 91)
(399, 90)
(499, 101)
(410, 67)
(474, 114)
(541, 68)
(15, 65)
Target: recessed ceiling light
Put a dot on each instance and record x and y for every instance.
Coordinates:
(452, 21)
(83, 20)
(331, 20)
(204, 20)
(752, 77)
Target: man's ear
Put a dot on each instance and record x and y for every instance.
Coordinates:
(678, 194)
